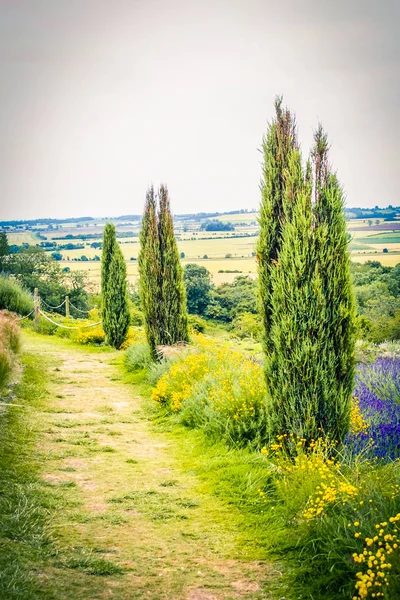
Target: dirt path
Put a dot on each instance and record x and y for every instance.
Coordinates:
(133, 523)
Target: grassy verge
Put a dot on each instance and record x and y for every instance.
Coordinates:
(24, 504)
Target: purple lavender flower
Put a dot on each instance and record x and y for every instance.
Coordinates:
(378, 393)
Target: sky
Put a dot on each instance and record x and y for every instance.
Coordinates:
(99, 99)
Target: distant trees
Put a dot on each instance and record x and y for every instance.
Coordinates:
(198, 285)
(35, 268)
(4, 249)
(161, 274)
(216, 225)
(115, 305)
(305, 289)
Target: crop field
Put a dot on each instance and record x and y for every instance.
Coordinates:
(225, 254)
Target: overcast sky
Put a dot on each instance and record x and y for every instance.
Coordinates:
(98, 98)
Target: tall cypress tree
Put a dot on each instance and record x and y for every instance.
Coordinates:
(331, 242)
(109, 242)
(296, 335)
(306, 292)
(280, 141)
(161, 275)
(150, 272)
(175, 320)
(115, 305)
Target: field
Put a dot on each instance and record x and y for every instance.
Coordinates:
(225, 254)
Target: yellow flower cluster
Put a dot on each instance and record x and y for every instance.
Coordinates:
(175, 385)
(89, 335)
(134, 336)
(234, 385)
(330, 493)
(237, 386)
(357, 422)
(375, 559)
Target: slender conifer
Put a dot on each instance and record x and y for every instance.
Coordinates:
(175, 320)
(161, 275)
(150, 272)
(306, 294)
(115, 304)
(331, 247)
(280, 141)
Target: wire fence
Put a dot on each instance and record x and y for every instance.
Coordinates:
(67, 326)
(78, 309)
(50, 306)
(26, 316)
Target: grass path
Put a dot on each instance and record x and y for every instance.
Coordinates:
(130, 517)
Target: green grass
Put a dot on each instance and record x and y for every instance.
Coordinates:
(24, 501)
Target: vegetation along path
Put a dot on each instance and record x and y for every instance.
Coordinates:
(128, 516)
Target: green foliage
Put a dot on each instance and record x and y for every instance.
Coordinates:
(138, 356)
(217, 389)
(115, 303)
(277, 148)
(305, 288)
(216, 225)
(377, 291)
(198, 285)
(34, 268)
(229, 300)
(247, 325)
(174, 309)
(4, 249)
(13, 297)
(197, 324)
(150, 272)
(161, 275)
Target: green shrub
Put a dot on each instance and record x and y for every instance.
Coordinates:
(138, 356)
(13, 297)
(157, 370)
(136, 316)
(219, 390)
(196, 324)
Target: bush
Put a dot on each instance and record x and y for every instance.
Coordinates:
(136, 316)
(89, 335)
(158, 369)
(196, 324)
(247, 325)
(9, 345)
(138, 356)
(219, 390)
(13, 297)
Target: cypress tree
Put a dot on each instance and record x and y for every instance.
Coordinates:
(115, 305)
(293, 368)
(175, 320)
(331, 241)
(150, 272)
(109, 242)
(306, 294)
(162, 288)
(280, 141)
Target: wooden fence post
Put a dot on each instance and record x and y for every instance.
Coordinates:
(67, 313)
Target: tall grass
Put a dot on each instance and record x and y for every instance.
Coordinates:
(13, 297)
(9, 345)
